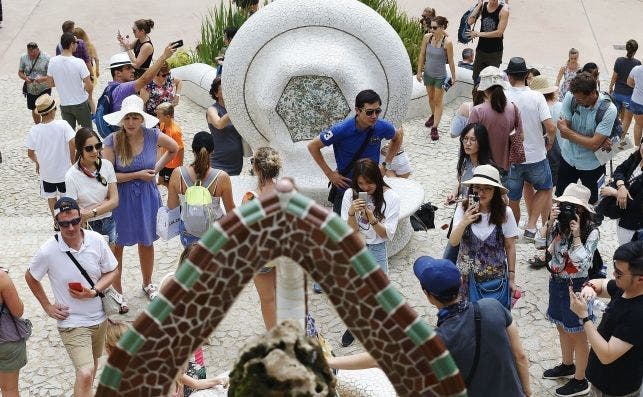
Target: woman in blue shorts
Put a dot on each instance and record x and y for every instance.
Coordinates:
(620, 91)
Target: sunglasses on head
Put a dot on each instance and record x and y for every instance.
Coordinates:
(72, 222)
(370, 112)
(90, 148)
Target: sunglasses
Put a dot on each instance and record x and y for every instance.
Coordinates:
(370, 112)
(90, 148)
(72, 222)
(164, 74)
(433, 27)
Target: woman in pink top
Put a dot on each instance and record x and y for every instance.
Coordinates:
(497, 115)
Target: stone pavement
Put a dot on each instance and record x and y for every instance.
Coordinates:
(25, 224)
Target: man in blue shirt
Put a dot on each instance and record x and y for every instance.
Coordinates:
(348, 136)
(582, 136)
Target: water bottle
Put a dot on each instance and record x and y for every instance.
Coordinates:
(595, 306)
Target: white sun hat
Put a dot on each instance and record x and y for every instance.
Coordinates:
(577, 193)
(491, 76)
(131, 104)
(486, 175)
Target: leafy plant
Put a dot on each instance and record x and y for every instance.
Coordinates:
(212, 28)
(182, 58)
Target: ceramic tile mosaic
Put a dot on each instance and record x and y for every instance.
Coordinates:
(194, 302)
(311, 104)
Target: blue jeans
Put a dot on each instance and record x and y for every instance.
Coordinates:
(379, 252)
(106, 227)
(451, 252)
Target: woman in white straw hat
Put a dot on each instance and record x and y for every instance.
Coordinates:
(486, 230)
(574, 239)
(132, 150)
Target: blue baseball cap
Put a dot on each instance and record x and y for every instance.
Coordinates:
(437, 276)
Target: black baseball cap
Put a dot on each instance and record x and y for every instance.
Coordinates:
(65, 204)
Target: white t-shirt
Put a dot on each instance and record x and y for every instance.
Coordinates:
(637, 74)
(391, 216)
(89, 192)
(94, 256)
(51, 143)
(68, 73)
(483, 229)
(533, 111)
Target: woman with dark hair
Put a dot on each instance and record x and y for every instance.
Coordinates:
(628, 177)
(163, 88)
(620, 91)
(140, 51)
(486, 231)
(498, 115)
(228, 146)
(461, 116)
(216, 181)
(592, 69)
(436, 50)
(91, 181)
(574, 239)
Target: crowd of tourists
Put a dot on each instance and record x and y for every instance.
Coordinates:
(100, 166)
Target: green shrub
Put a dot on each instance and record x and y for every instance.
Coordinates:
(181, 58)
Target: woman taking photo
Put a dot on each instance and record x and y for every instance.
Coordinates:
(13, 355)
(132, 150)
(163, 88)
(140, 51)
(435, 51)
(228, 149)
(91, 181)
(486, 231)
(216, 181)
(266, 164)
(574, 239)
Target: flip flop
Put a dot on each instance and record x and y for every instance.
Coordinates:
(536, 263)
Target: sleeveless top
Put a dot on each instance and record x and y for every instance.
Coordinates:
(489, 23)
(436, 59)
(228, 149)
(137, 49)
(568, 75)
(159, 94)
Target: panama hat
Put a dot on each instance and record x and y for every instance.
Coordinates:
(45, 104)
(131, 104)
(118, 60)
(542, 85)
(576, 193)
(486, 175)
(491, 76)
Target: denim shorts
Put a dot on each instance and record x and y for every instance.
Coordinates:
(621, 100)
(106, 227)
(636, 108)
(558, 311)
(537, 174)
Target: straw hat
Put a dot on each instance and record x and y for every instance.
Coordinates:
(542, 85)
(576, 193)
(45, 104)
(491, 76)
(486, 175)
(131, 104)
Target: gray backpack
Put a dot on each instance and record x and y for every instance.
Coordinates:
(197, 214)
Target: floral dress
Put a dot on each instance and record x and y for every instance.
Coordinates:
(159, 94)
(568, 75)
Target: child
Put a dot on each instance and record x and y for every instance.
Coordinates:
(50, 145)
(165, 114)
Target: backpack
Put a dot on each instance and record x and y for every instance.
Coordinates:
(617, 127)
(103, 107)
(197, 214)
(464, 26)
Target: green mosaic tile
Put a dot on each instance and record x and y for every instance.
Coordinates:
(364, 263)
(188, 274)
(215, 238)
(298, 205)
(251, 212)
(159, 309)
(131, 341)
(419, 332)
(111, 377)
(444, 366)
(389, 299)
(335, 228)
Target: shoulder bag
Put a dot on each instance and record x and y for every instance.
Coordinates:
(333, 189)
(497, 288)
(24, 85)
(13, 329)
(110, 298)
(516, 139)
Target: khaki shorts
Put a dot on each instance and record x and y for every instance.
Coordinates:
(84, 344)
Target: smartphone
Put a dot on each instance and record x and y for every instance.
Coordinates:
(362, 196)
(177, 44)
(76, 286)
(447, 84)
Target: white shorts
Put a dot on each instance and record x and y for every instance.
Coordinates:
(400, 164)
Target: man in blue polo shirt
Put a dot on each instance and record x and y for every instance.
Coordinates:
(347, 138)
(581, 136)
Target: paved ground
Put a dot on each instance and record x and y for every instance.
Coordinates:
(25, 224)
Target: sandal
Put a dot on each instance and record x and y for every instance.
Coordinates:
(536, 263)
(151, 291)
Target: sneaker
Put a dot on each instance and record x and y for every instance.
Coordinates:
(574, 387)
(434, 134)
(317, 288)
(151, 291)
(429, 122)
(560, 371)
(347, 338)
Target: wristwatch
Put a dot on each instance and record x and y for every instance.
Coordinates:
(94, 212)
(386, 165)
(97, 293)
(584, 320)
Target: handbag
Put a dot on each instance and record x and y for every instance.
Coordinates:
(13, 329)
(332, 194)
(516, 139)
(424, 217)
(497, 289)
(167, 222)
(110, 299)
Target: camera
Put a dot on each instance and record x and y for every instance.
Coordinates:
(567, 214)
